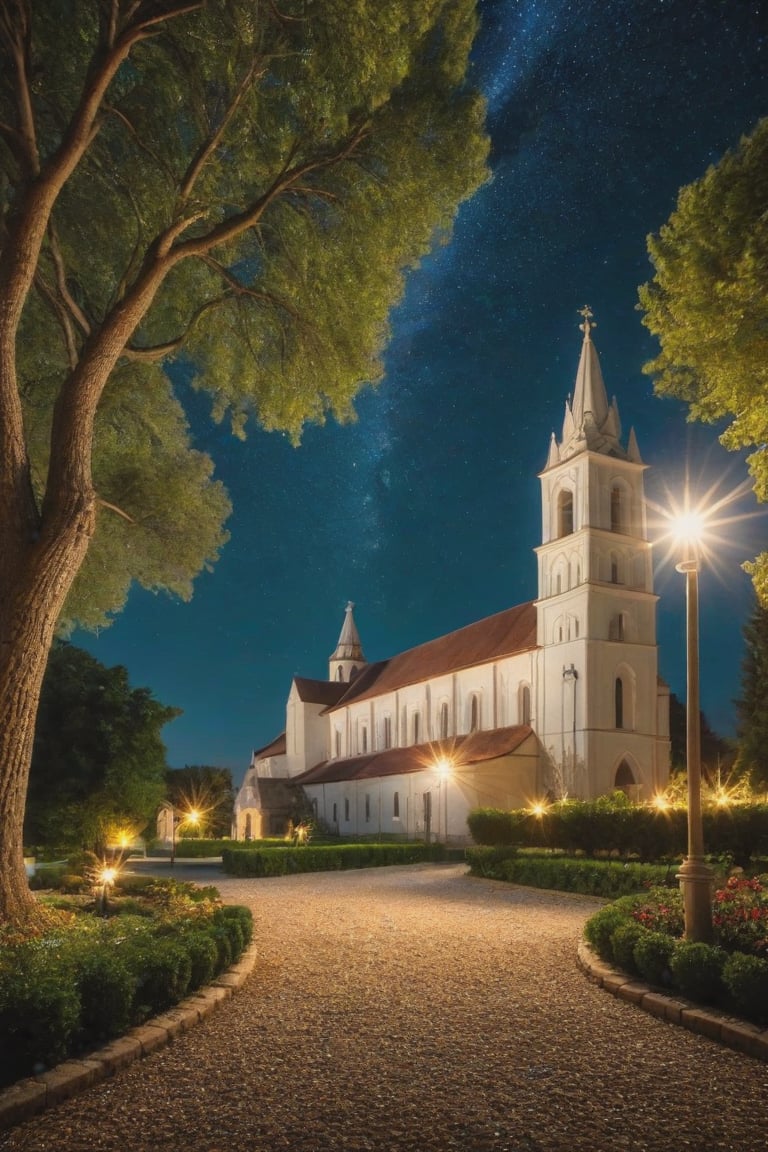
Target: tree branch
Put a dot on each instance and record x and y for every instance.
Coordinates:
(209, 146)
(114, 508)
(158, 351)
(61, 282)
(61, 314)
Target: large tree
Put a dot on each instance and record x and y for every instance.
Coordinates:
(753, 704)
(708, 305)
(99, 763)
(240, 183)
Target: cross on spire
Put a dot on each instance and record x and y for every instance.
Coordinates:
(588, 324)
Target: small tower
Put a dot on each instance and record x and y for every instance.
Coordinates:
(599, 712)
(347, 659)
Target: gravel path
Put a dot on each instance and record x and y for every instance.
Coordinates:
(418, 1009)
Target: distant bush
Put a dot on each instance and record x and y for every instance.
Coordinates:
(327, 858)
(608, 878)
(198, 849)
(614, 825)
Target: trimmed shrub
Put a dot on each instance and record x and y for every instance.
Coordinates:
(600, 928)
(697, 970)
(39, 1012)
(326, 857)
(623, 941)
(746, 978)
(164, 972)
(484, 860)
(242, 916)
(652, 955)
(203, 958)
(608, 878)
(106, 988)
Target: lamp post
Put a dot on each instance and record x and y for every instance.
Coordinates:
(695, 875)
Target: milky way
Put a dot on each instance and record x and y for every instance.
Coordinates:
(425, 511)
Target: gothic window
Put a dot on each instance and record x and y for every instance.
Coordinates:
(396, 806)
(576, 627)
(340, 673)
(346, 808)
(444, 720)
(474, 714)
(614, 569)
(363, 738)
(416, 727)
(617, 627)
(367, 808)
(618, 509)
(387, 731)
(558, 584)
(565, 513)
(524, 704)
(624, 777)
(248, 833)
(335, 810)
(337, 738)
(618, 697)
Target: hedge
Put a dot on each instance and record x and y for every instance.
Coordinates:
(608, 878)
(611, 824)
(89, 980)
(328, 858)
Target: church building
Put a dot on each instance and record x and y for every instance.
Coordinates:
(556, 697)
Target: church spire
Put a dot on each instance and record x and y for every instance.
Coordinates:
(591, 424)
(347, 657)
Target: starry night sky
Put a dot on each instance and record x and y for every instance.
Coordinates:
(425, 512)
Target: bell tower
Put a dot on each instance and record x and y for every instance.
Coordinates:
(347, 658)
(602, 719)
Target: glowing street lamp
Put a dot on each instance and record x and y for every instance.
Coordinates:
(192, 817)
(444, 768)
(695, 875)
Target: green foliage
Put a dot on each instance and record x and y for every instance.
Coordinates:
(39, 1012)
(708, 305)
(609, 878)
(746, 978)
(99, 761)
(599, 930)
(106, 987)
(753, 704)
(624, 939)
(652, 955)
(740, 915)
(611, 825)
(326, 858)
(85, 979)
(355, 138)
(697, 970)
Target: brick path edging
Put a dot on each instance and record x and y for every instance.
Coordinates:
(24, 1099)
(729, 1030)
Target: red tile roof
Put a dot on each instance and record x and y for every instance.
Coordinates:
(504, 634)
(463, 750)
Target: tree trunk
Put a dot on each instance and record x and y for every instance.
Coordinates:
(37, 581)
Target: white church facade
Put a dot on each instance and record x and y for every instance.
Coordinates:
(559, 696)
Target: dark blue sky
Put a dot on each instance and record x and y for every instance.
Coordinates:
(425, 512)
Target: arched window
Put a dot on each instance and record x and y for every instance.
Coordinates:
(352, 673)
(558, 584)
(396, 806)
(248, 825)
(340, 673)
(416, 727)
(624, 777)
(337, 740)
(524, 704)
(618, 697)
(335, 810)
(614, 568)
(367, 808)
(474, 714)
(363, 738)
(444, 720)
(346, 808)
(576, 627)
(387, 731)
(565, 513)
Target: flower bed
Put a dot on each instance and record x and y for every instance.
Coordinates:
(643, 935)
(71, 980)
